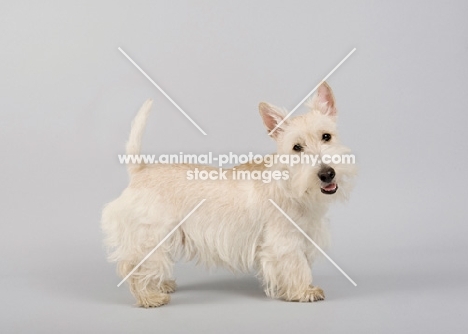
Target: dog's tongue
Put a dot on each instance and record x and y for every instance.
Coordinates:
(331, 186)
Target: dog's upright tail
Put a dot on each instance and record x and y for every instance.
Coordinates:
(133, 147)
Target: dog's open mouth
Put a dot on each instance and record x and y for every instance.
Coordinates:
(329, 188)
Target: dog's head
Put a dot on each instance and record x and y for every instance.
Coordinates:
(330, 166)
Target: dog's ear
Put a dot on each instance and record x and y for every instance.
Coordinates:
(272, 117)
(323, 100)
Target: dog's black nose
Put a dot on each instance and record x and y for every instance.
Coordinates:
(326, 174)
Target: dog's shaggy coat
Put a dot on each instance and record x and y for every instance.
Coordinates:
(237, 227)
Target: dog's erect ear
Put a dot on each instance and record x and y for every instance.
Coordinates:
(272, 116)
(323, 100)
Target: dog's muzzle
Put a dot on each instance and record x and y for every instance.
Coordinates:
(327, 174)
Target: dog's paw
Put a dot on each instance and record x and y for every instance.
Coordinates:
(312, 294)
(168, 286)
(153, 300)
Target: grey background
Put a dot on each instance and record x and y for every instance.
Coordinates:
(68, 97)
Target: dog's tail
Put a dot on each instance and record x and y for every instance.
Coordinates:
(133, 147)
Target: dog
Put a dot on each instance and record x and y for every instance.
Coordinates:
(237, 227)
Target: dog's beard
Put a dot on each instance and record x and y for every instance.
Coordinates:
(345, 174)
(304, 182)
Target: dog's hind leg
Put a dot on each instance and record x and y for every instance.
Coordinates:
(130, 236)
(150, 283)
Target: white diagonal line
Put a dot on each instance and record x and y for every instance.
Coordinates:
(163, 92)
(313, 242)
(161, 242)
(312, 91)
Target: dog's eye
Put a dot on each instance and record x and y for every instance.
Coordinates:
(326, 137)
(297, 148)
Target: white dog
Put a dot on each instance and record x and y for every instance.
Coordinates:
(237, 227)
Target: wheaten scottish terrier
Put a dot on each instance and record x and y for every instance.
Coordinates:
(237, 227)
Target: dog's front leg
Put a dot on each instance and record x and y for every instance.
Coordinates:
(286, 272)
